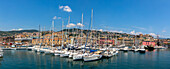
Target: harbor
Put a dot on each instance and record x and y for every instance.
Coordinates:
(59, 34)
(83, 48)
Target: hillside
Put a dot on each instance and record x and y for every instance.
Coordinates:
(10, 33)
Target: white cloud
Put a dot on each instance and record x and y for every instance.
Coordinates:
(20, 29)
(120, 31)
(132, 32)
(67, 26)
(152, 34)
(139, 27)
(71, 25)
(135, 33)
(163, 30)
(13, 30)
(65, 8)
(117, 31)
(61, 7)
(17, 29)
(100, 29)
(80, 25)
(54, 17)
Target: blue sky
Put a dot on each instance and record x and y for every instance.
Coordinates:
(141, 16)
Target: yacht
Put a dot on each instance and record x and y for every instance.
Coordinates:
(160, 47)
(107, 54)
(57, 52)
(47, 51)
(64, 53)
(30, 48)
(114, 51)
(72, 53)
(92, 57)
(141, 49)
(134, 48)
(125, 49)
(78, 56)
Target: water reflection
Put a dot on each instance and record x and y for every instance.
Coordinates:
(30, 59)
(1, 60)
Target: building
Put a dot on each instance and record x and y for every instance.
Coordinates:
(149, 43)
(8, 40)
(23, 40)
(105, 41)
(1, 39)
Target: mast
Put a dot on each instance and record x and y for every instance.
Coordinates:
(99, 38)
(82, 30)
(62, 33)
(105, 40)
(52, 33)
(73, 35)
(158, 41)
(116, 40)
(44, 36)
(68, 29)
(135, 41)
(39, 37)
(90, 26)
(77, 35)
(45, 39)
(124, 41)
(96, 36)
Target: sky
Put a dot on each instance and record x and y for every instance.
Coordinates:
(124, 16)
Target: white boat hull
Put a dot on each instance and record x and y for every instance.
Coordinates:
(92, 58)
(77, 57)
(64, 55)
(57, 54)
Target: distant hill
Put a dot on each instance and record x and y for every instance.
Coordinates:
(10, 33)
(98, 32)
(24, 31)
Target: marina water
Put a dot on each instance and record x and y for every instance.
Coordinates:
(17, 59)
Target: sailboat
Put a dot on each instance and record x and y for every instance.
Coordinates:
(64, 52)
(126, 48)
(59, 50)
(158, 44)
(142, 49)
(37, 47)
(50, 50)
(135, 48)
(107, 54)
(80, 55)
(94, 55)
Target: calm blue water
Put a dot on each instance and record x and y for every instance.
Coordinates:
(17, 59)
